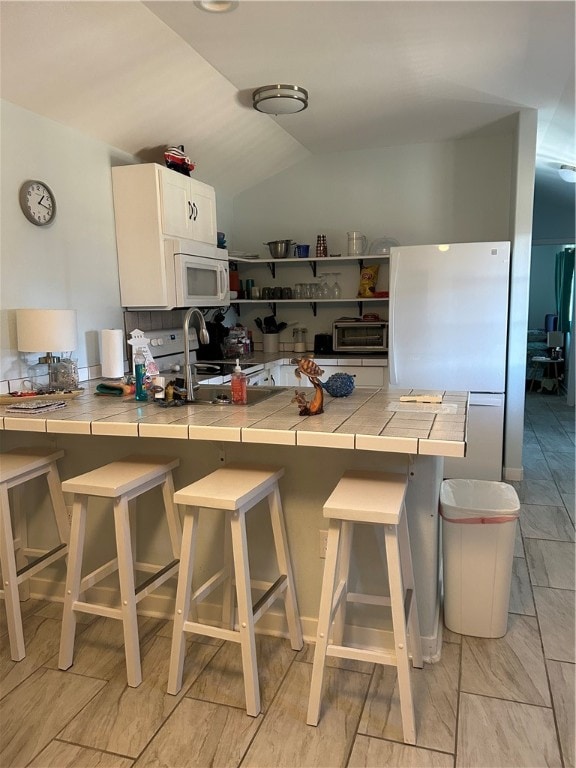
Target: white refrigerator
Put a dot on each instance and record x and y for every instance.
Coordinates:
(448, 331)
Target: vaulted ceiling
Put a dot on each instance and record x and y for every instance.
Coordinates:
(141, 76)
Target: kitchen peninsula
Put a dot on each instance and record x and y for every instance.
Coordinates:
(370, 429)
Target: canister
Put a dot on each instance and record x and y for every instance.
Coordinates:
(299, 336)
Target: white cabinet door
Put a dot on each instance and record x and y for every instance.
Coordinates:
(188, 207)
(175, 204)
(363, 376)
(288, 378)
(203, 211)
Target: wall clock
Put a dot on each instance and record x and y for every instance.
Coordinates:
(37, 202)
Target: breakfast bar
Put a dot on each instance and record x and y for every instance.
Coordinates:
(371, 429)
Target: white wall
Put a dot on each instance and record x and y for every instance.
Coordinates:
(71, 263)
(426, 193)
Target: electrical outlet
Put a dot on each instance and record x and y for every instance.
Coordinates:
(323, 542)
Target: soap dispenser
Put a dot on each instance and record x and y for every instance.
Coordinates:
(239, 382)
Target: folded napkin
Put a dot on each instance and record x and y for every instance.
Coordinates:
(115, 388)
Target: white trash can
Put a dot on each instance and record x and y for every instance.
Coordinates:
(478, 532)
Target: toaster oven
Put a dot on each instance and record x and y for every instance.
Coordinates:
(360, 336)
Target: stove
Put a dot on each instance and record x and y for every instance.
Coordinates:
(167, 348)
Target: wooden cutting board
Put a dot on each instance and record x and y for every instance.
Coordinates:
(11, 399)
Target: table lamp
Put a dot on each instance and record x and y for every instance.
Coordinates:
(50, 331)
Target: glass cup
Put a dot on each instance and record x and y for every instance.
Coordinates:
(266, 293)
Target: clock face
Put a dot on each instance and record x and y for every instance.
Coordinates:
(37, 202)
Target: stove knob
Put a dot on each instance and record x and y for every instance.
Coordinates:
(154, 342)
(175, 368)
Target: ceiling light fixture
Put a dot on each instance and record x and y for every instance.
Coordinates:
(568, 173)
(217, 6)
(280, 99)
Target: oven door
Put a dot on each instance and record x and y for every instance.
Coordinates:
(201, 282)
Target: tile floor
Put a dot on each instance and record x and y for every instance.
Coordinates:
(505, 702)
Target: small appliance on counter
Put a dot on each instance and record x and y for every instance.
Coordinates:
(360, 336)
(323, 344)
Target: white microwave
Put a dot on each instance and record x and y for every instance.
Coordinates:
(201, 281)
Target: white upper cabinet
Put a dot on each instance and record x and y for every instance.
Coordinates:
(188, 207)
(170, 203)
(156, 209)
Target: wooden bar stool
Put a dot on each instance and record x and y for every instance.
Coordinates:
(122, 481)
(235, 489)
(18, 561)
(376, 498)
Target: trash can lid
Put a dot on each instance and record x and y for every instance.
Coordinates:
(478, 498)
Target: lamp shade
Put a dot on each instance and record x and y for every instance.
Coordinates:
(46, 330)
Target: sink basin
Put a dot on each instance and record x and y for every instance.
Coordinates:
(212, 394)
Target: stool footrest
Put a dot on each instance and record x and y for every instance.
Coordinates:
(41, 562)
(209, 586)
(97, 609)
(362, 654)
(98, 574)
(262, 605)
(220, 633)
(153, 581)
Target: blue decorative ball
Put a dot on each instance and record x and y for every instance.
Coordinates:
(339, 385)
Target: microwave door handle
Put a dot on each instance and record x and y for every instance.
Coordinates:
(221, 276)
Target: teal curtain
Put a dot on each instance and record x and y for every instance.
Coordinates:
(564, 276)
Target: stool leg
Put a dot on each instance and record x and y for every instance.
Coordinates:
(228, 595)
(408, 578)
(10, 579)
(172, 515)
(324, 621)
(400, 639)
(127, 591)
(58, 503)
(183, 595)
(285, 567)
(73, 577)
(21, 537)
(342, 571)
(245, 612)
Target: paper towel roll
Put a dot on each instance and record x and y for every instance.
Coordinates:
(112, 353)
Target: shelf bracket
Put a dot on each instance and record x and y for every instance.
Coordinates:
(313, 266)
(313, 307)
(272, 268)
(360, 304)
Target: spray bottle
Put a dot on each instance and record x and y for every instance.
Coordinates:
(239, 383)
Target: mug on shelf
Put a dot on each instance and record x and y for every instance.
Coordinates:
(302, 251)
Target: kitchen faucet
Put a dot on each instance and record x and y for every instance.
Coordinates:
(204, 339)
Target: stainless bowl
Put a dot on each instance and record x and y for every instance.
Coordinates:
(280, 249)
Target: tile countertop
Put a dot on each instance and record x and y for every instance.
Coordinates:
(370, 418)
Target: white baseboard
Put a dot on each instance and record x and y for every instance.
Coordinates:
(513, 473)
(273, 622)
